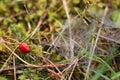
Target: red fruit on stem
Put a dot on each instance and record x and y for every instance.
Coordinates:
(24, 48)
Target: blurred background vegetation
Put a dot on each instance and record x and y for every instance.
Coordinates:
(42, 25)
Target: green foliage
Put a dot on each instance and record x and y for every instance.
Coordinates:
(116, 76)
(2, 78)
(43, 75)
(17, 30)
(3, 7)
(1, 47)
(38, 51)
(19, 20)
(2, 33)
(28, 74)
(116, 17)
(103, 67)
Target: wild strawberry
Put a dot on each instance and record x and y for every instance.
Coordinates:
(24, 48)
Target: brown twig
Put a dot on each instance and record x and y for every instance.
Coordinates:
(18, 14)
(76, 61)
(54, 66)
(58, 76)
(14, 68)
(39, 23)
(40, 66)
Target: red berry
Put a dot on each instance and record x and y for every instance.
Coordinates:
(24, 48)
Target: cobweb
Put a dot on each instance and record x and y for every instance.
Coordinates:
(81, 33)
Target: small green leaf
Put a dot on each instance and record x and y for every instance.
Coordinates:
(2, 33)
(101, 5)
(116, 76)
(76, 1)
(116, 17)
(2, 78)
(22, 77)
